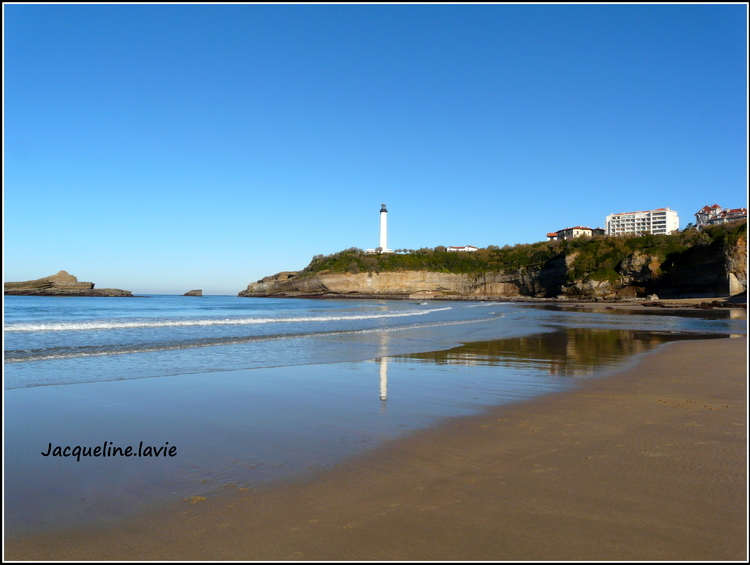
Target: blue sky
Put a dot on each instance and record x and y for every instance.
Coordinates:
(164, 148)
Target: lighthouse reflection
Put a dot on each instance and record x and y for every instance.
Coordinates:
(383, 340)
(383, 382)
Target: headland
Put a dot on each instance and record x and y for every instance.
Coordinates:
(707, 264)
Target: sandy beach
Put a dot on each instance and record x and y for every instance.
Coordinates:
(648, 464)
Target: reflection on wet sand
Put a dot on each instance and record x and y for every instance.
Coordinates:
(383, 339)
(707, 314)
(567, 352)
(383, 381)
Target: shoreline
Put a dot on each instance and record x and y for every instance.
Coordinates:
(647, 463)
(738, 301)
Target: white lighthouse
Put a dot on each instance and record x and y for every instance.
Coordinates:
(384, 230)
(383, 233)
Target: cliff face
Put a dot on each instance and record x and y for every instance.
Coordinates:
(700, 272)
(60, 284)
(414, 284)
(736, 267)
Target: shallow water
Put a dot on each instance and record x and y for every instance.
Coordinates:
(66, 340)
(268, 389)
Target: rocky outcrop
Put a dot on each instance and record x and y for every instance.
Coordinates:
(194, 293)
(640, 269)
(736, 267)
(699, 272)
(60, 284)
(410, 284)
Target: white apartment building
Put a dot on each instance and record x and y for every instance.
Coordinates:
(660, 221)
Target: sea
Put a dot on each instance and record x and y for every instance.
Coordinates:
(240, 393)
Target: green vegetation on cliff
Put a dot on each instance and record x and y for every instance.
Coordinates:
(595, 258)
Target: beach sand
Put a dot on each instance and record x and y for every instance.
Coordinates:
(648, 464)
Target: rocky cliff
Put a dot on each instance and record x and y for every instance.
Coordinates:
(60, 284)
(409, 284)
(194, 293)
(701, 271)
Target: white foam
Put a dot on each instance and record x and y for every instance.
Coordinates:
(116, 325)
(43, 355)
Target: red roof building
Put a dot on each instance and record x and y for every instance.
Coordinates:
(575, 231)
(713, 215)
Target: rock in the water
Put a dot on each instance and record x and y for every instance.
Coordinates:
(60, 284)
(194, 293)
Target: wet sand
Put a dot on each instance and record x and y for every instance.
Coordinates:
(731, 305)
(648, 464)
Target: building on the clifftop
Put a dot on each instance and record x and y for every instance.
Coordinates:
(576, 231)
(464, 248)
(383, 233)
(713, 215)
(660, 221)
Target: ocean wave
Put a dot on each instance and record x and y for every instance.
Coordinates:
(24, 356)
(118, 324)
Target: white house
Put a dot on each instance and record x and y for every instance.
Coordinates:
(576, 231)
(464, 248)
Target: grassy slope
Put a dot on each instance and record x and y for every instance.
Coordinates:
(596, 258)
